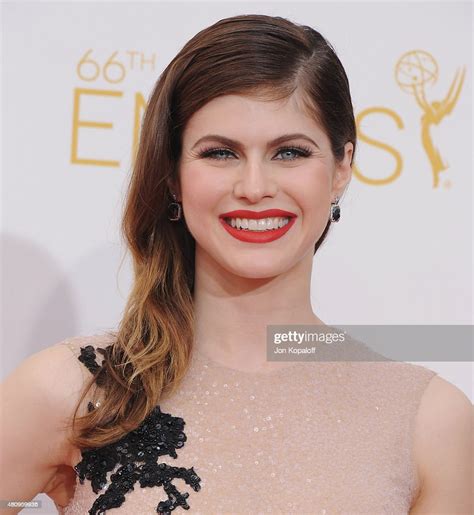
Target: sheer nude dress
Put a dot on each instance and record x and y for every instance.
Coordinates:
(315, 437)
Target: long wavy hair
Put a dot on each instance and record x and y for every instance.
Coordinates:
(247, 54)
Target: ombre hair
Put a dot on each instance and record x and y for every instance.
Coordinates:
(253, 54)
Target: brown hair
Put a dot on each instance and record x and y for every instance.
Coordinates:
(248, 54)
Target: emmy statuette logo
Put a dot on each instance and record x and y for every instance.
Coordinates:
(413, 72)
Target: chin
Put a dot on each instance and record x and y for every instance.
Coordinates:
(256, 274)
(265, 270)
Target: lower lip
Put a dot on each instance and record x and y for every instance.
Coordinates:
(257, 236)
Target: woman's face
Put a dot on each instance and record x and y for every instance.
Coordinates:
(231, 161)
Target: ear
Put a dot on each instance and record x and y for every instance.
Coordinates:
(342, 172)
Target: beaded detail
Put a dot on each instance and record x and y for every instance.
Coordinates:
(136, 453)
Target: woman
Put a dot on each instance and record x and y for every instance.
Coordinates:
(246, 147)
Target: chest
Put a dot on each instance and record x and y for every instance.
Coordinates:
(287, 452)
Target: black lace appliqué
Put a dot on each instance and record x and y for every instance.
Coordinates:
(137, 453)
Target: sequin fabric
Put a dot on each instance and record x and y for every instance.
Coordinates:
(312, 438)
(136, 453)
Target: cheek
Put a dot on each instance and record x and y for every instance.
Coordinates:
(195, 188)
(312, 189)
(200, 194)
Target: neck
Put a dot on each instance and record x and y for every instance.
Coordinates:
(232, 312)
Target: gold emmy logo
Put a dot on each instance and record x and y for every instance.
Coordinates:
(413, 72)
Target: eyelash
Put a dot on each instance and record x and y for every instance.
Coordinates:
(301, 151)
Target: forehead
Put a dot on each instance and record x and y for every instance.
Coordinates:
(253, 116)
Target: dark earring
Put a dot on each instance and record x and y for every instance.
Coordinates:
(175, 210)
(335, 211)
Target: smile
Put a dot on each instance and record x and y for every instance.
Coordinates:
(258, 227)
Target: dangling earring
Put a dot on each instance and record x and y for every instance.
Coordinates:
(175, 210)
(335, 211)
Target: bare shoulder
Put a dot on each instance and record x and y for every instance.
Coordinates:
(50, 380)
(443, 449)
(38, 399)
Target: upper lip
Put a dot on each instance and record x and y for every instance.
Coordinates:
(268, 213)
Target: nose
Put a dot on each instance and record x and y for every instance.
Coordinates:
(254, 182)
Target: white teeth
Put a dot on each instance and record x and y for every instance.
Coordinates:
(261, 224)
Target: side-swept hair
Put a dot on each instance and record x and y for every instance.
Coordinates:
(248, 54)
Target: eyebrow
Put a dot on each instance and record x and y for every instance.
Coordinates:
(230, 142)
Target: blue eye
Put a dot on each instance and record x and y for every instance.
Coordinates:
(213, 153)
(299, 151)
(220, 154)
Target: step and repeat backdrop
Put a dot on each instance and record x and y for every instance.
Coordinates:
(75, 81)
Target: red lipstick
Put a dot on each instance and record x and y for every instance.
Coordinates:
(268, 213)
(257, 236)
